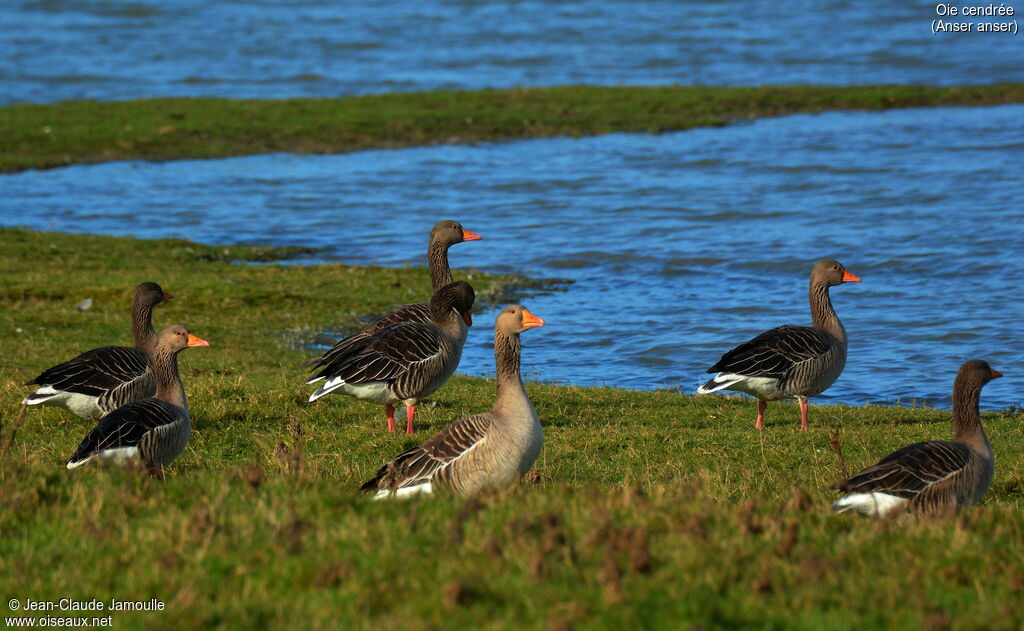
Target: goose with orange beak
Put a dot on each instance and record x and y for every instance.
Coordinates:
(149, 433)
(443, 235)
(790, 362)
(403, 362)
(935, 478)
(489, 451)
(103, 379)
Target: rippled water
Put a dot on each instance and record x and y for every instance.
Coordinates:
(679, 245)
(101, 49)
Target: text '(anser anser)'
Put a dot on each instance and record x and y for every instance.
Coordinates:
(935, 477)
(149, 433)
(790, 362)
(405, 361)
(101, 380)
(492, 450)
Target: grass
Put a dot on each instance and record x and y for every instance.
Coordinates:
(78, 132)
(645, 510)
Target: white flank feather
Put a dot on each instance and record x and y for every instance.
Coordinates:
(873, 504)
(116, 456)
(327, 387)
(721, 381)
(83, 405)
(763, 387)
(404, 493)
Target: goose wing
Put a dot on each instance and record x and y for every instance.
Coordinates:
(415, 312)
(386, 355)
(126, 426)
(96, 372)
(775, 352)
(421, 464)
(915, 469)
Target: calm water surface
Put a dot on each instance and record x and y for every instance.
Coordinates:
(55, 50)
(679, 245)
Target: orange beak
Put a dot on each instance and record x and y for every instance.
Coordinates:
(996, 374)
(530, 320)
(470, 236)
(849, 278)
(195, 341)
(168, 295)
(467, 317)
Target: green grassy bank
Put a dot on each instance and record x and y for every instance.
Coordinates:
(645, 510)
(59, 134)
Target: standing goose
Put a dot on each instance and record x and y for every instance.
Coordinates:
(936, 477)
(99, 381)
(790, 362)
(150, 432)
(492, 450)
(405, 361)
(443, 235)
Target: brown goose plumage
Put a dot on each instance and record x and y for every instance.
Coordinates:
(99, 381)
(790, 362)
(485, 451)
(149, 433)
(404, 361)
(935, 477)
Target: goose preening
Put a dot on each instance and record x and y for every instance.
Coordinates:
(790, 362)
(492, 450)
(101, 380)
(151, 432)
(443, 235)
(936, 477)
(403, 362)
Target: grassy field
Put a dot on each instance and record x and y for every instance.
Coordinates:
(645, 510)
(58, 134)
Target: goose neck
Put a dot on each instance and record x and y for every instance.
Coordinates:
(437, 259)
(823, 316)
(168, 381)
(142, 326)
(966, 414)
(507, 352)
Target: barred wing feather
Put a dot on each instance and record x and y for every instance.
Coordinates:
(911, 470)
(416, 312)
(432, 458)
(774, 352)
(96, 372)
(387, 355)
(126, 426)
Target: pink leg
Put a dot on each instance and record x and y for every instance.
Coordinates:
(410, 414)
(803, 415)
(761, 405)
(391, 418)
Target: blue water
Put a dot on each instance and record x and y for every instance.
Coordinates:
(52, 50)
(678, 245)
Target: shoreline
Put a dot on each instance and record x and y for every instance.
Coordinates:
(44, 136)
(494, 290)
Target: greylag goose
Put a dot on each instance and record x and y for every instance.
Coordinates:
(405, 361)
(101, 380)
(492, 450)
(443, 235)
(151, 432)
(790, 362)
(936, 477)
